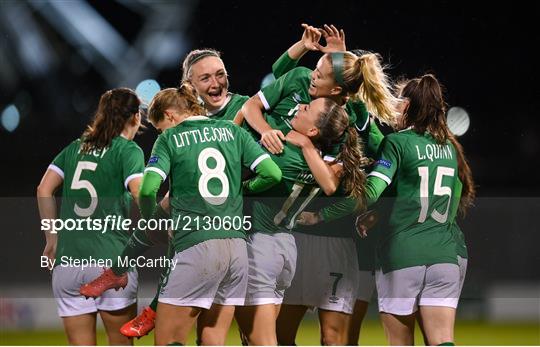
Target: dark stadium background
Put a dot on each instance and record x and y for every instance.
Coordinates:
(484, 53)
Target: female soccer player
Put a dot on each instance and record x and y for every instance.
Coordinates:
(271, 247)
(203, 158)
(420, 166)
(324, 281)
(205, 71)
(96, 171)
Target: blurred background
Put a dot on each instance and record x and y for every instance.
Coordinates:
(58, 57)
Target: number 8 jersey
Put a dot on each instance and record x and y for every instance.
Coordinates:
(204, 158)
(421, 175)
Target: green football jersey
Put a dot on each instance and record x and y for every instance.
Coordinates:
(203, 158)
(276, 209)
(230, 109)
(421, 175)
(95, 189)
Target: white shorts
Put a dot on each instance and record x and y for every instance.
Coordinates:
(402, 291)
(66, 282)
(462, 262)
(366, 286)
(272, 263)
(327, 275)
(213, 271)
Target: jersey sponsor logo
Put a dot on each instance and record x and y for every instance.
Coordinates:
(382, 162)
(153, 159)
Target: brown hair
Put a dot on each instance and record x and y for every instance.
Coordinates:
(116, 107)
(427, 112)
(364, 79)
(334, 128)
(183, 99)
(193, 57)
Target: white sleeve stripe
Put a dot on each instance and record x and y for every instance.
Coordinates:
(156, 170)
(365, 125)
(381, 176)
(130, 177)
(56, 169)
(258, 161)
(263, 100)
(136, 238)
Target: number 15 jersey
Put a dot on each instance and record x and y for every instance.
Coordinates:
(421, 175)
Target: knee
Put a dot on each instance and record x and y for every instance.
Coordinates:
(332, 336)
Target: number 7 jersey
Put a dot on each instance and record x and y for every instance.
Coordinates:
(421, 175)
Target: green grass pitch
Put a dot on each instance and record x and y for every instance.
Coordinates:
(467, 333)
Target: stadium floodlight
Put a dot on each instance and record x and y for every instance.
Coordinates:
(458, 120)
(10, 118)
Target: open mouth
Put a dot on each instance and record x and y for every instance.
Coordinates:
(216, 96)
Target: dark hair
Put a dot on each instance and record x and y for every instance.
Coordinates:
(334, 128)
(115, 108)
(193, 57)
(427, 112)
(183, 99)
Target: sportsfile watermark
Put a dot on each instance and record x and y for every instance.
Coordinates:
(119, 223)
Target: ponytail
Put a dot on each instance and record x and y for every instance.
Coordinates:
(364, 79)
(353, 159)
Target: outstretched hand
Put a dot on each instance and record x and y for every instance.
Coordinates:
(335, 40)
(308, 218)
(311, 37)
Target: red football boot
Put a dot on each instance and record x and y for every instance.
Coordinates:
(105, 281)
(140, 325)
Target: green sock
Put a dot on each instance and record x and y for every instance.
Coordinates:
(446, 344)
(153, 304)
(137, 244)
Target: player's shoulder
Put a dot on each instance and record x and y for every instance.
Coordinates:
(239, 98)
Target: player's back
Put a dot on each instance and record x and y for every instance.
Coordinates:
(418, 199)
(95, 197)
(204, 158)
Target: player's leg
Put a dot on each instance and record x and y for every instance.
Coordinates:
(366, 287)
(334, 327)
(258, 323)
(173, 323)
(359, 312)
(399, 329)
(438, 302)
(81, 330)
(145, 322)
(113, 320)
(191, 288)
(398, 293)
(288, 322)
(213, 325)
(78, 315)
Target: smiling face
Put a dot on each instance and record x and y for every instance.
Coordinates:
(209, 78)
(307, 117)
(323, 83)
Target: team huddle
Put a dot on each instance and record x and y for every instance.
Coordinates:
(285, 201)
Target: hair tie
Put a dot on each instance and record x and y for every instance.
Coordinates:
(337, 67)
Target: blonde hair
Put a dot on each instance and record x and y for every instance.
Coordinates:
(183, 99)
(364, 79)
